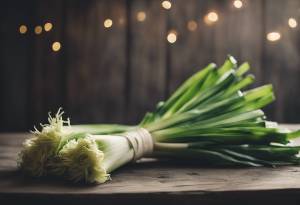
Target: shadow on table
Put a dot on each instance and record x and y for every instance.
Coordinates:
(15, 176)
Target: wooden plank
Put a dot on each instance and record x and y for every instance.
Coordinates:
(239, 33)
(275, 197)
(147, 58)
(231, 34)
(158, 177)
(281, 59)
(192, 50)
(15, 53)
(95, 61)
(47, 82)
(152, 182)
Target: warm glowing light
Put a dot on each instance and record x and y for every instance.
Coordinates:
(273, 36)
(172, 37)
(141, 16)
(56, 46)
(23, 29)
(108, 23)
(192, 25)
(38, 30)
(211, 18)
(292, 23)
(238, 4)
(121, 20)
(48, 26)
(166, 5)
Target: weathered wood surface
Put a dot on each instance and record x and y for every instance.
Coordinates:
(282, 69)
(147, 58)
(95, 61)
(46, 74)
(152, 182)
(116, 74)
(15, 64)
(193, 50)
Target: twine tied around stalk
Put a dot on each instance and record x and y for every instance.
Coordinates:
(141, 142)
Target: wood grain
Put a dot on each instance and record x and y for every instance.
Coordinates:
(117, 74)
(15, 63)
(96, 61)
(281, 59)
(238, 33)
(147, 55)
(152, 182)
(147, 50)
(193, 50)
(47, 79)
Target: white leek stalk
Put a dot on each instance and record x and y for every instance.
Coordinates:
(39, 151)
(90, 159)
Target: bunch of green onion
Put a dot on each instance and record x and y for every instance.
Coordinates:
(208, 119)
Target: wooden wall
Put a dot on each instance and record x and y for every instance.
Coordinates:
(116, 74)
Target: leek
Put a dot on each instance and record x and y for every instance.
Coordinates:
(209, 118)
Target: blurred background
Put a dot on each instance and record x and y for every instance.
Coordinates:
(113, 60)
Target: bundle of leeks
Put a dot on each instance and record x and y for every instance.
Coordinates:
(208, 119)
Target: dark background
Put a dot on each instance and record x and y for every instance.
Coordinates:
(116, 74)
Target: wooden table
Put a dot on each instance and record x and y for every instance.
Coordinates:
(151, 182)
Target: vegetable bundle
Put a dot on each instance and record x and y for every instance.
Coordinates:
(208, 119)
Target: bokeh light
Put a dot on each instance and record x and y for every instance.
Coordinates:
(166, 5)
(48, 26)
(38, 30)
(141, 16)
(238, 4)
(192, 25)
(292, 23)
(273, 36)
(56, 46)
(211, 18)
(172, 36)
(23, 29)
(108, 23)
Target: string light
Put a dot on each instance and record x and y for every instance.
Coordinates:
(56, 46)
(238, 4)
(38, 30)
(108, 23)
(23, 29)
(166, 5)
(292, 23)
(192, 25)
(172, 37)
(48, 26)
(273, 36)
(211, 18)
(141, 16)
